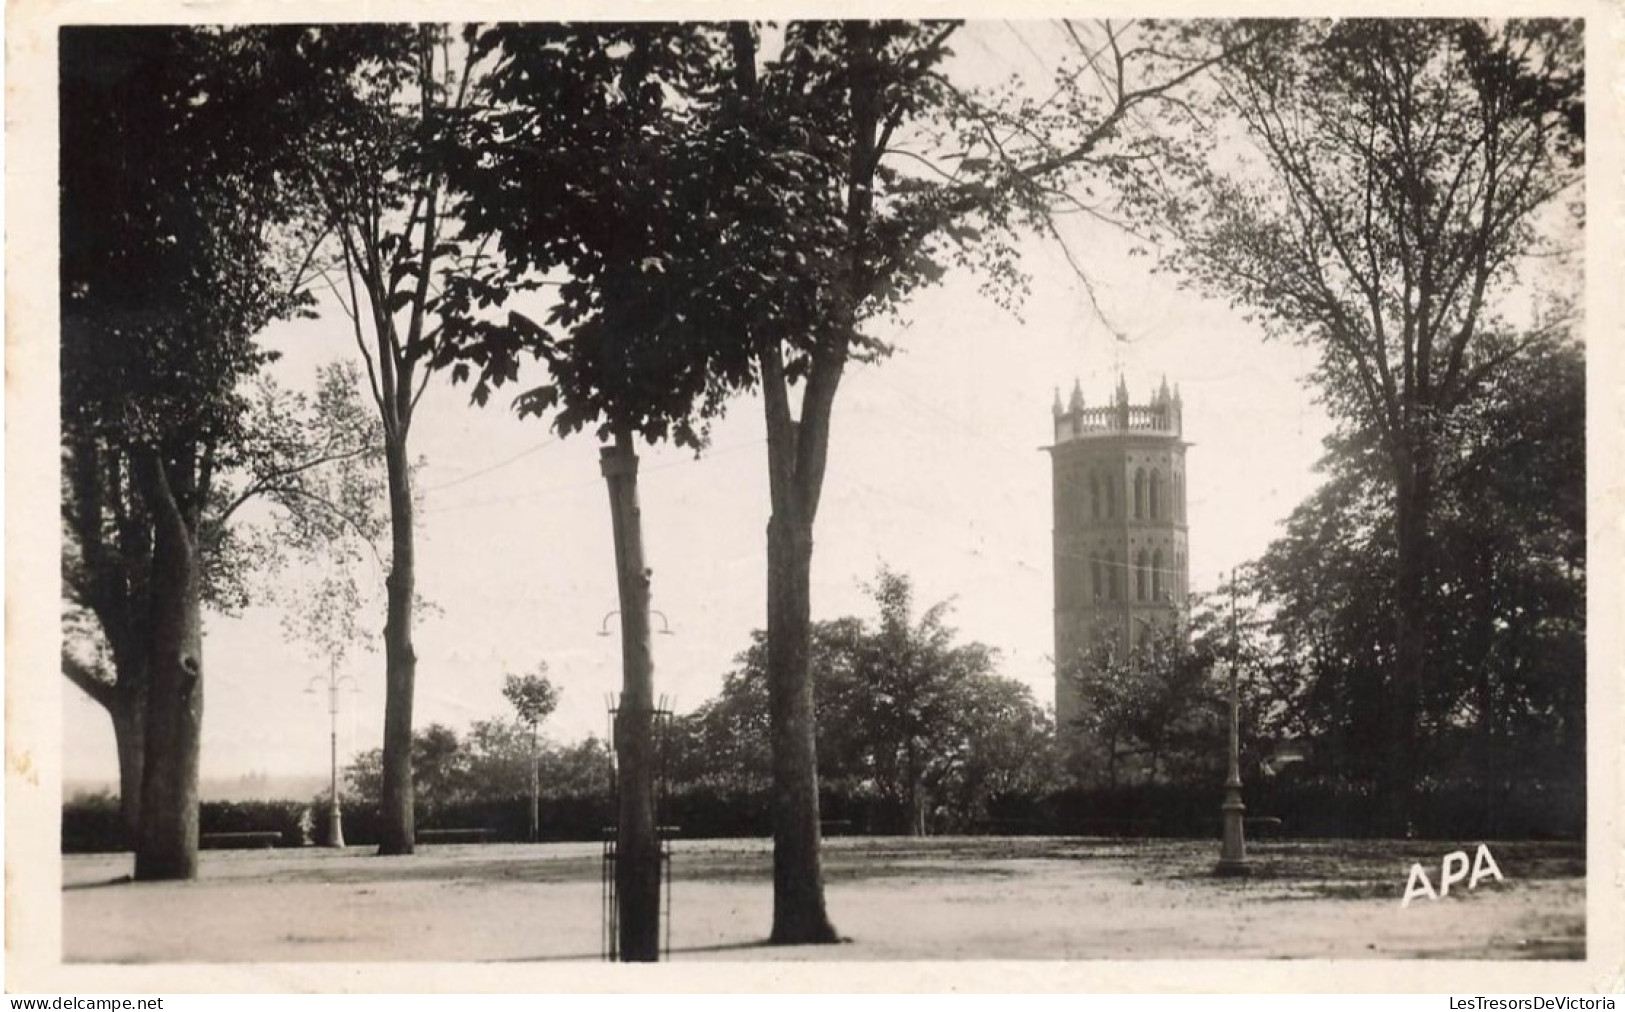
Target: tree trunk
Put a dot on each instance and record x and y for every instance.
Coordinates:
(1412, 612)
(637, 848)
(1481, 652)
(397, 830)
(114, 587)
(166, 846)
(128, 711)
(535, 789)
(914, 802)
(799, 916)
(125, 700)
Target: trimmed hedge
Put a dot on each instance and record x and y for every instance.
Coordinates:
(91, 824)
(1308, 809)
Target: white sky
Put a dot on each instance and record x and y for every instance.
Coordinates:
(934, 468)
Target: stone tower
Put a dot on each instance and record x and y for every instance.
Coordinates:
(1121, 556)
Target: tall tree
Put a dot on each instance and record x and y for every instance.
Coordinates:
(912, 695)
(775, 224)
(866, 96)
(534, 698)
(1404, 181)
(169, 268)
(364, 103)
(574, 115)
(1160, 702)
(440, 771)
(1504, 708)
(905, 714)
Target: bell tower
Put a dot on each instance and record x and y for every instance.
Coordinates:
(1121, 555)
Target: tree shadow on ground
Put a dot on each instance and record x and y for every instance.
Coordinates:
(99, 884)
(597, 957)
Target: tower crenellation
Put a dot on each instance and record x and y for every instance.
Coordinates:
(1160, 414)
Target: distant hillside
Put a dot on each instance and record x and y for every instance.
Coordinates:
(263, 787)
(248, 787)
(80, 788)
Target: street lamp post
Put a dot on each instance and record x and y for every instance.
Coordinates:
(632, 923)
(664, 630)
(535, 788)
(333, 680)
(1233, 850)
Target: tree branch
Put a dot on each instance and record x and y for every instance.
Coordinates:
(84, 677)
(271, 478)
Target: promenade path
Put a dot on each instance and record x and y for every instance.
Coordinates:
(969, 898)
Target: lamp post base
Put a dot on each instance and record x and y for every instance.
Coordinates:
(1233, 852)
(335, 828)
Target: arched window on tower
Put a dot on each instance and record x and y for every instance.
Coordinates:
(1158, 585)
(1114, 576)
(1111, 496)
(1097, 586)
(1179, 496)
(1156, 494)
(1139, 494)
(1142, 573)
(1094, 496)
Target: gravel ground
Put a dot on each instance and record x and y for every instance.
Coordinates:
(895, 899)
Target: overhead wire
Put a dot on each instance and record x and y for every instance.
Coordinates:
(585, 483)
(494, 467)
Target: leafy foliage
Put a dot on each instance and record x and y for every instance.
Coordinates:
(169, 267)
(534, 697)
(1506, 697)
(174, 222)
(358, 107)
(489, 763)
(1409, 174)
(906, 716)
(729, 205)
(1155, 705)
(588, 154)
(1395, 194)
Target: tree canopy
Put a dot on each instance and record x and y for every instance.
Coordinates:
(1398, 194)
(533, 697)
(1505, 700)
(173, 259)
(907, 716)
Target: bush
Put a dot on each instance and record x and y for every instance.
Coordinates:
(91, 825)
(708, 810)
(1308, 807)
(508, 819)
(562, 818)
(281, 817)
(360, 822)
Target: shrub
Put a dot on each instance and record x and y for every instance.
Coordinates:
(91, 824)
(282, 817)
